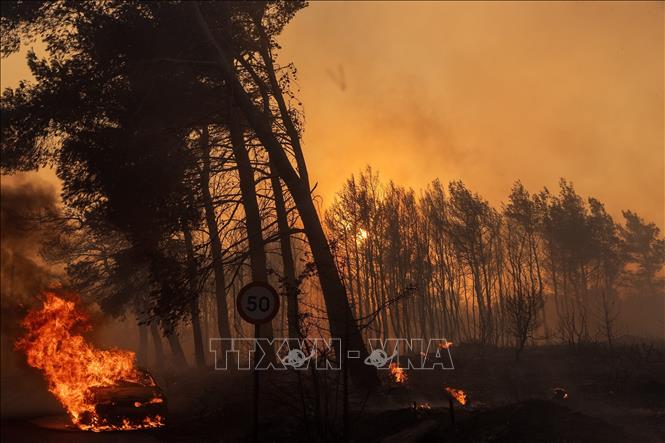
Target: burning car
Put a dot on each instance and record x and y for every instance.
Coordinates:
(127, 405)
(101, 390)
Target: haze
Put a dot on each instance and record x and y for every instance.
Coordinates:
(484, 92)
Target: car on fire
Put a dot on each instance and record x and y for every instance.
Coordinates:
(136, 404)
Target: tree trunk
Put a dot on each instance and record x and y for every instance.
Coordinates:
(215, 243)
(179, 359)
(333, 290)
(194, 306)
(142, 355)
(257, 254)
(288, 267)
(334, 293)
(157, 341)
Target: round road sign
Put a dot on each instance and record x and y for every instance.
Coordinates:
(257, 303)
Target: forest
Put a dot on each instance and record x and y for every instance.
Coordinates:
(176, 136)
(545, 267)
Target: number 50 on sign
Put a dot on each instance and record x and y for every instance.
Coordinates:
(257, 303)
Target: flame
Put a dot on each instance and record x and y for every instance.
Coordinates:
(422, 406)
(156, 400)
(72, 366)
(361, 235)
(399, 375)
(457, 394)
(446, 345)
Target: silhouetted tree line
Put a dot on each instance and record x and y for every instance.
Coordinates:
(545, 265)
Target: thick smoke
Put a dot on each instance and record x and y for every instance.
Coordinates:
(27, 204)
(25, 209)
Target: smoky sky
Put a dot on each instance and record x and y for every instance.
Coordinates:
(485, 92)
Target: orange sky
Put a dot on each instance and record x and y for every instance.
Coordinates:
(487, 92)
(484, 92)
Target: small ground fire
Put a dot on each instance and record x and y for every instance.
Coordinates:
(399, 374)
(458, 394)
(95, 386)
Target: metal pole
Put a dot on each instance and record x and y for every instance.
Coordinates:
(255, 412)
(345, 375)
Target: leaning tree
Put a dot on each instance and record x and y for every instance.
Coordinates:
(121, 90)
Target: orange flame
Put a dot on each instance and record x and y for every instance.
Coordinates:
(399, 375)
(72, 366)
(422, 406)
(457, 394)
(446, 345)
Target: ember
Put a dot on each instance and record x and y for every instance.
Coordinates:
(559, 393)
(421, 406)
(92, 384)
(399, 375)
(457, 394)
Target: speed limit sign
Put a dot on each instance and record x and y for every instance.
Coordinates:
(257, 303)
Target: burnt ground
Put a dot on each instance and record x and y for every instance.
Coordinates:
(614, 396)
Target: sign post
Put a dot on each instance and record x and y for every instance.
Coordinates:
(257, 303)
